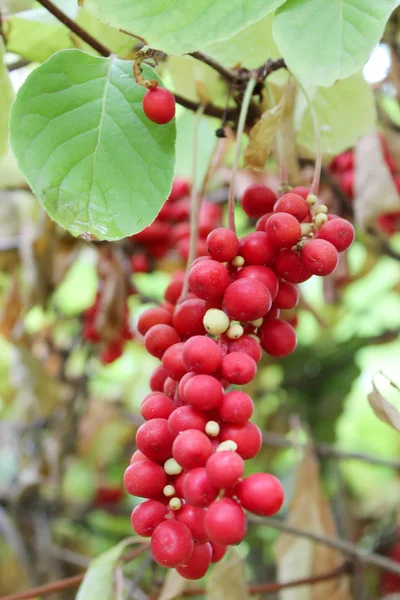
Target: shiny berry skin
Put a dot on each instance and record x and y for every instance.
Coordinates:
(146, 517)
(320, 256)
(172, 361)
(198, 489)
(224, 469)
(193, 517)
(236, 407)
(301, 190)
(264, 274)
(158, 338)
(247, 300)
(201, 355)
(153, 316)
(191, 449)
(257, 200)
(218, 552)
(287, 296)
(208, 279)
(238, 368)
(338, 232)
(186, 417)
(256, 248)
(204, 392)
(174, 290)
(247, 437)
(222, 244)
(248, 345)
(159, 105)
(199, 562)
(261, 494)
(293, 204)
(154, 440)
(283, 230)
(172, 544)
(290, 266)
(145, 479)
(225, 522)
(157, 405)
(188, 318)
(278, 338)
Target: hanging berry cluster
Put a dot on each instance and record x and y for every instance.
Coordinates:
(197, 432)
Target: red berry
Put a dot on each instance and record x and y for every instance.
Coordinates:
(236, 407)
(154, 439)
(136, 456)
(170, 387)
(193, 517)
(301, 190)
(159, 105)
(186, 417)
(278, 338)
(222, 244)
(290, 266)
(225, 522)
(338, 232)
(224, 469)
(172, 361)
(208, 279)
(199, 562)
(173, 291)
(139, 263)
(112, 352)
(201, 355)
(320, 256)
(172, 544)
(248, 345)
(203, 392)
(261, 493)
(191, 449)
(264, 274)
(247, 437)
(262, 222)
(145, 479)
(158, 338)
(256, 248)
(257, 200)
(188, 318)
(180, 188)
(293, 204)
(287, 297)
(247, 300)
(157, 406)
(283, 230)
(238, 368)
(198, 489)
(146, 517)
(218, 552)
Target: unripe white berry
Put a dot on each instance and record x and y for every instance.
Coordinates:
(321, 209)
(175, 503)
(306, 228)
(255, 337)
(257, 323)
(212, 428)
(312, 199)
(171, 467)
(234, 332)
(238, 261)
(215, 321)
(320, 220)
(227, 445)
(169, 490)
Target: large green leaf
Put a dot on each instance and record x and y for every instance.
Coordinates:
(345, 112)
(99, 580)
(326, 40)
(91, 156)
(6, 99)
(180, 26)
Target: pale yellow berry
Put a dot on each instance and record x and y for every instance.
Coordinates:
(320, 220)
(255, 337)
(321, 209)
(234, 332)
(171, 467)
(169, 490)
(215, 321)
(212, 428)
(306, 228)
(227, 445)
(257, 323)
(175, 503)
(238, 261)
(312, 199)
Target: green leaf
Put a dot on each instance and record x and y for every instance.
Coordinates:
(116, 41)
(323, 41)
(81, 276)
(91, 156)
(345, 112)
(6, 100)
(99, 579)
(180, 26)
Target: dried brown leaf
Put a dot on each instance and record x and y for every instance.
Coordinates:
(10, 313)
(262, 135)
(384, 410)
(228, 580)
(288, 137)
(299, 557)
(173, 586)
(375, 192)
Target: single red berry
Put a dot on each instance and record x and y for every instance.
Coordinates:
(186, 417)
(158, 338)
(137, 456)
(236, 407)
(188, 318)
(173, 291)
(145, 479)
(290, 266)
(191, 449)
(209, 279)
(293, 204)
(246, 344)
(261, 493)
(154, 439)
(218, 552)
(172, 361)
(180, 188)
(139, 263)
(256, 248)
(203, 392)
(224, 469)
(320, 256)
(257, 200)
(112, 351)
(193, 517)
(198, 563)
(301, 190)
(146, 517)
(198, 489)
(159, 105)
(247, 299)
(172, 544)
(156, 406)
(264, 274)
(262, 222)
(278, 338)
(201, 355)
(283, 230)
(238, 368)
(225, 522)
(222, 244)
(247, 437)
(287, 297)
(338, 232)
(170, 387)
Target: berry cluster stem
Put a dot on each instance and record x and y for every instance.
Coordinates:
(241, 125)
(317, 135)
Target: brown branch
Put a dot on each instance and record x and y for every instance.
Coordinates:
(212, 111)
(75, 28)
(227, 74)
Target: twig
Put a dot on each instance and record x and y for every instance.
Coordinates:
(227, 74)
(361, 554)
(18, 64)
(327, 450)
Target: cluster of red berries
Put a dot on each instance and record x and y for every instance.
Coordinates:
(171, 229)
(342, 167)
(197, 434)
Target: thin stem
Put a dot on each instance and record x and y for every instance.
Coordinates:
(283, 175)
(361, 554)
(317, 134)
(195, 205)
(75, 28)
(209, 110)
(227, 74)
(242, 121)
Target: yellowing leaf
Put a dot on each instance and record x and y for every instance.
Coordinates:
(384, 410)
(375, 192)
(299, 557)
(227, 579)
(173, 586)
(262, 136)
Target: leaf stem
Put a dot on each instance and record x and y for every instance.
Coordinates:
(317, 135)
(242, 121)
